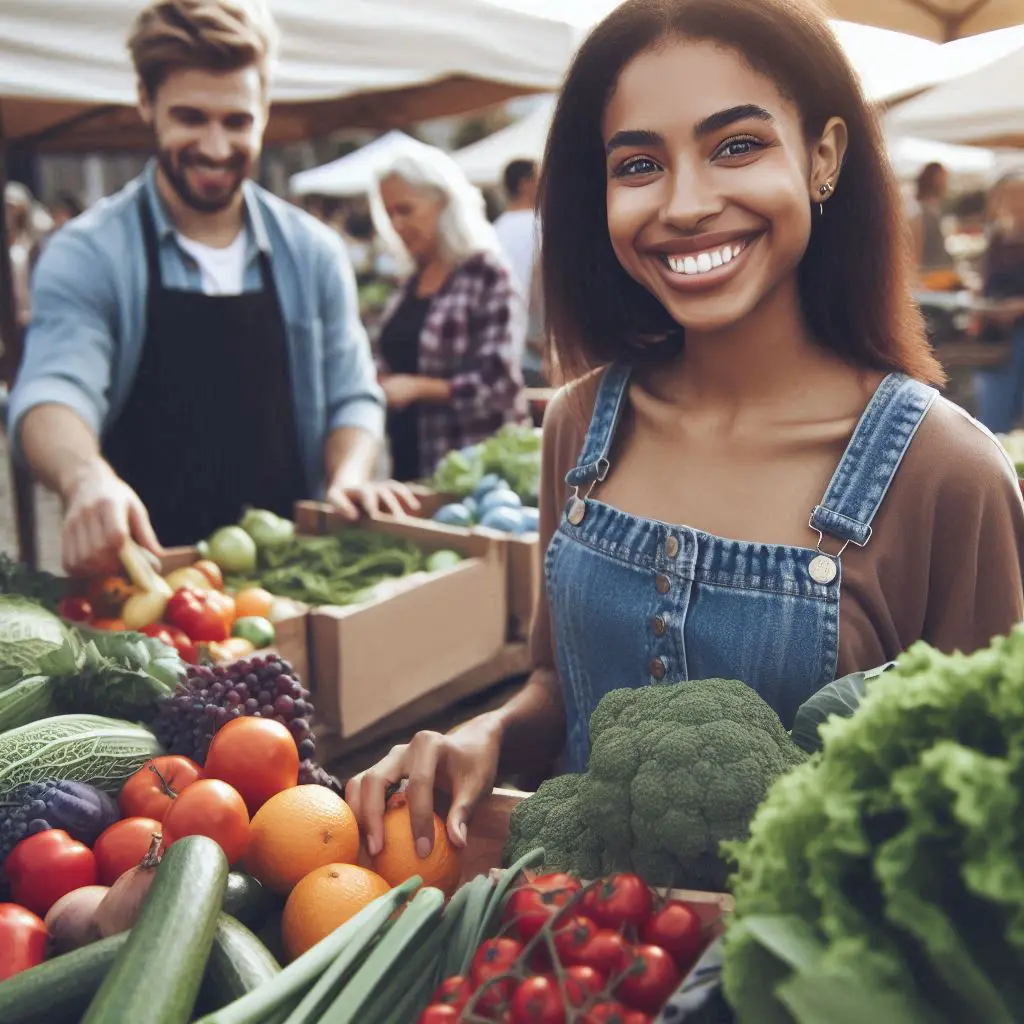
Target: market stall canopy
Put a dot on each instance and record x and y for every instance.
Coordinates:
(940, 20)
(982, 108)
(352, 175)
(66, 83)
(909, 157)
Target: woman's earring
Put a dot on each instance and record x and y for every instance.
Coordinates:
(825, 190)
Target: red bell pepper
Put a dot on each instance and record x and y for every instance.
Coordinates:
(201, 619)
(176, 638)
(75, 609)
(45, 866)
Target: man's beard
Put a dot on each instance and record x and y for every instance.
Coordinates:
(176, 175)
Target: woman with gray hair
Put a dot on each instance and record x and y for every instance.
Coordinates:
(452, 338)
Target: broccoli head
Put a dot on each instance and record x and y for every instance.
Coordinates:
(675, 770)
(551, 819)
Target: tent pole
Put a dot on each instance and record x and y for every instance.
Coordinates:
(22, 484)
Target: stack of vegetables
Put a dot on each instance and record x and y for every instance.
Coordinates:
(264, 553)
(497, 482)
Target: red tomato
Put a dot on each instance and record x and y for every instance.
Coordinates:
(652, 978)
(534, 903)
(210, 808)
(613, 1013)
(23, 939)
(120, 847)
(439, 1013)
(257, 756)
(494, 958)
(211, 570)
(607, 952)
(198, 615)
(45, 866)
(677, 929)
(538, 1000)
(453, 991)
(174, 638)
(150, 792)
(572, 937)
(76, 609)
(618, 901)
(581, 983)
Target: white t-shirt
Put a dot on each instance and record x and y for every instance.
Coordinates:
(223, 270)
(517, 233)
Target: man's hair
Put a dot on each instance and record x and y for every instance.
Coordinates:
(517, 173)
(215, 35)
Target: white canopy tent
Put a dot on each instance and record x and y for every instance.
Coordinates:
(983, 107)
(373, 63)
(352, 174)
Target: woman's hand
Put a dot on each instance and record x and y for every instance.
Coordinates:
(373, 497)
(464, 763)
(401, 390)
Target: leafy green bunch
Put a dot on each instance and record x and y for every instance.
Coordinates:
(883, 879)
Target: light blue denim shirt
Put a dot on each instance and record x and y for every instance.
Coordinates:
(89, 317)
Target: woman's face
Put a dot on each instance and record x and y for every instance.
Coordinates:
(414, 214)
(710, 181)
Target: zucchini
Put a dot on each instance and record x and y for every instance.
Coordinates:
(248, 901)
(238, 963)
(418, 922)
(293, 981)
(56, 991)
(156, 976)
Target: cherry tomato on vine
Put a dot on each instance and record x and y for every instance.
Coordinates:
(454, 991)
(494, 958)
(653, 977)
(619, 901)
(677, 929)
(439, 1013)
(571, 937)
(534, 903)
(607, 952)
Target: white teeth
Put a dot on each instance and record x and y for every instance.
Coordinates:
(703, 262)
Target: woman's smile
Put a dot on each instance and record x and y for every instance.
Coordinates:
(704, 265)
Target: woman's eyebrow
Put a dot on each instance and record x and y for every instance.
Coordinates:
(707, 126)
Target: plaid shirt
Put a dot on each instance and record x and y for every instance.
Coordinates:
(473, 336)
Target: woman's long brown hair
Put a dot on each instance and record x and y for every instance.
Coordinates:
(855, 276)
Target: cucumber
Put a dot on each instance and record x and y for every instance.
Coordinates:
(292, 982)
(156, 976)
(238, 963)
(56, 991)
(420, 917)
(248, 901)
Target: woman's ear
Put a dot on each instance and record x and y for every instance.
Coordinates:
(827, 159)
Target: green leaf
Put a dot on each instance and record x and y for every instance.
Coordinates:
(841, 697)
(787, 937)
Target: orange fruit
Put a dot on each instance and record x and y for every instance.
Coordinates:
(399, 861)
(324, 900)
(297, 831)
(254, 601)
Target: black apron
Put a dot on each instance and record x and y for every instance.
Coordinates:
(209, 425)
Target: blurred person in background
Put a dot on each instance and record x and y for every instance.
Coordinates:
(999, 391)
(21, 239)
(451, 339)
(935, 266)
(517, 230)
(195, 343)
(66, 208)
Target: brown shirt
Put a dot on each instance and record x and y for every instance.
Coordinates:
(945, 562)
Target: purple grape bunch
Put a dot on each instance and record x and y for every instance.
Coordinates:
(209, 697)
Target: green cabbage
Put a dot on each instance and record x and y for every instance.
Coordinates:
(28, 632)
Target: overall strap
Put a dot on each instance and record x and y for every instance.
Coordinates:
(871, 459)
(593, 464)
(149, 240)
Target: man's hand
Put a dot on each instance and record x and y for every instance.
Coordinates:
(401, 390)
(100, 512)
(373, 497)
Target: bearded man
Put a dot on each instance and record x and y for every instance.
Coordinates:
(195, 343)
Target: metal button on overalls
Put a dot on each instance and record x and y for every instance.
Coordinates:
(662, 584)
(657, 668)
(658, 625)
(672, 546)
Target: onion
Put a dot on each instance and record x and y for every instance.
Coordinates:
(69, 920)
(120, 907)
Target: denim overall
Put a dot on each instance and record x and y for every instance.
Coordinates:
(636, 601)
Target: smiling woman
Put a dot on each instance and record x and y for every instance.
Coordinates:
(752, 476)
